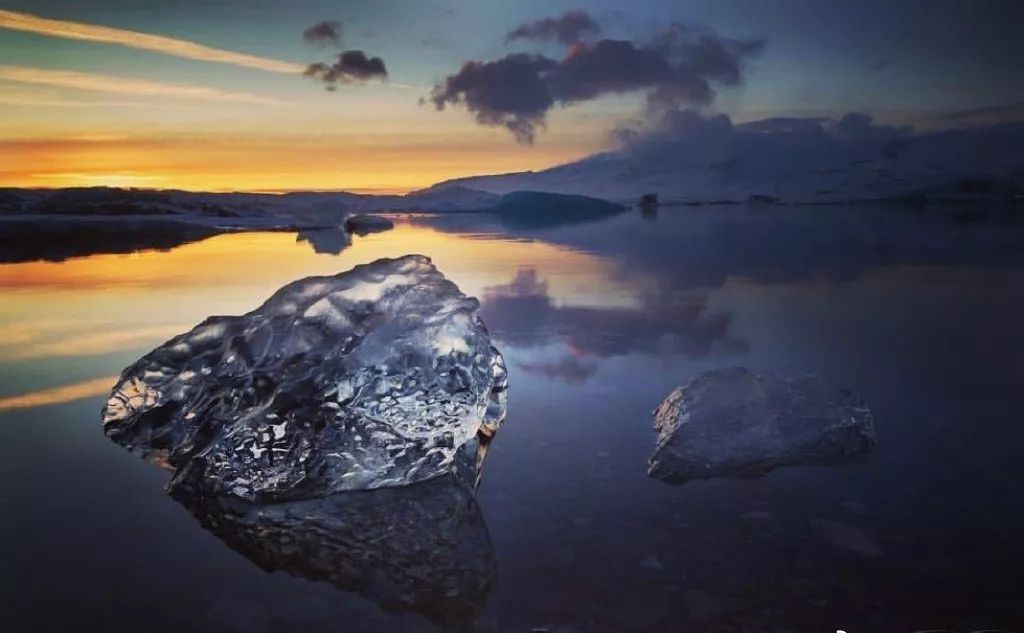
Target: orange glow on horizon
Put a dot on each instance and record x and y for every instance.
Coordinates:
(238, 163)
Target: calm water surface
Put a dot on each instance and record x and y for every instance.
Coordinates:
(921, 316)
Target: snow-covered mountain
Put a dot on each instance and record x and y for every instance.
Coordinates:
(697, 159)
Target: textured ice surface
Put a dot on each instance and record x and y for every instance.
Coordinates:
(370, 378)
(422, 548)
(738, 423)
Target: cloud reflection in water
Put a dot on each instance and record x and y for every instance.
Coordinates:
(522, 314)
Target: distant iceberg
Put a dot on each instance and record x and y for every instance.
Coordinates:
(371, 378)
(364, 224)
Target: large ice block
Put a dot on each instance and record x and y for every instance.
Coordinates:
(371, 378)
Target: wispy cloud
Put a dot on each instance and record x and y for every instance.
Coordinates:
(29, 23)
(125, 85)
(47, 101)
(102, 179)
(59, 395)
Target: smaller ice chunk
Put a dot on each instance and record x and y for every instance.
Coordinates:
(738, 423)
(364, 224)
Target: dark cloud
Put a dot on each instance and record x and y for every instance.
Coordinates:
(509, 92)
(352, 66)
(326, 32)
(700, 58)
(806, 157)
(349, 67)
(568, 28)
(696, 134)
(680, 66)
(690, 131)
(613, 66)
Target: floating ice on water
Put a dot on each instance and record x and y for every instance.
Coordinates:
(738, 423)
(364, 224)
(370, 378)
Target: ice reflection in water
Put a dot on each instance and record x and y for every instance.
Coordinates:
(422, 548)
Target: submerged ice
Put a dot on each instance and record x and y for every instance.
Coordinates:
(735, 422)
(371, 378)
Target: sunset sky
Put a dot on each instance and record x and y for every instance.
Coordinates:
(211, 95)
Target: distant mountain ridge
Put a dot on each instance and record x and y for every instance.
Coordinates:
(702, 160)
(112, 201)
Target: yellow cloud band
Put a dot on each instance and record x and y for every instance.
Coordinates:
(125, 85)
(168, 45)
(59, 395)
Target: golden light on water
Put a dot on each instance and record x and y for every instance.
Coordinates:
(59, 395)
(268, 260)
(137, 300)
(94, 306)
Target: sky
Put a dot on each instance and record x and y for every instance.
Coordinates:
(220, 96)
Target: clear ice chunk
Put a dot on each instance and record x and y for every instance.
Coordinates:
(371, 378)
(735, 422)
